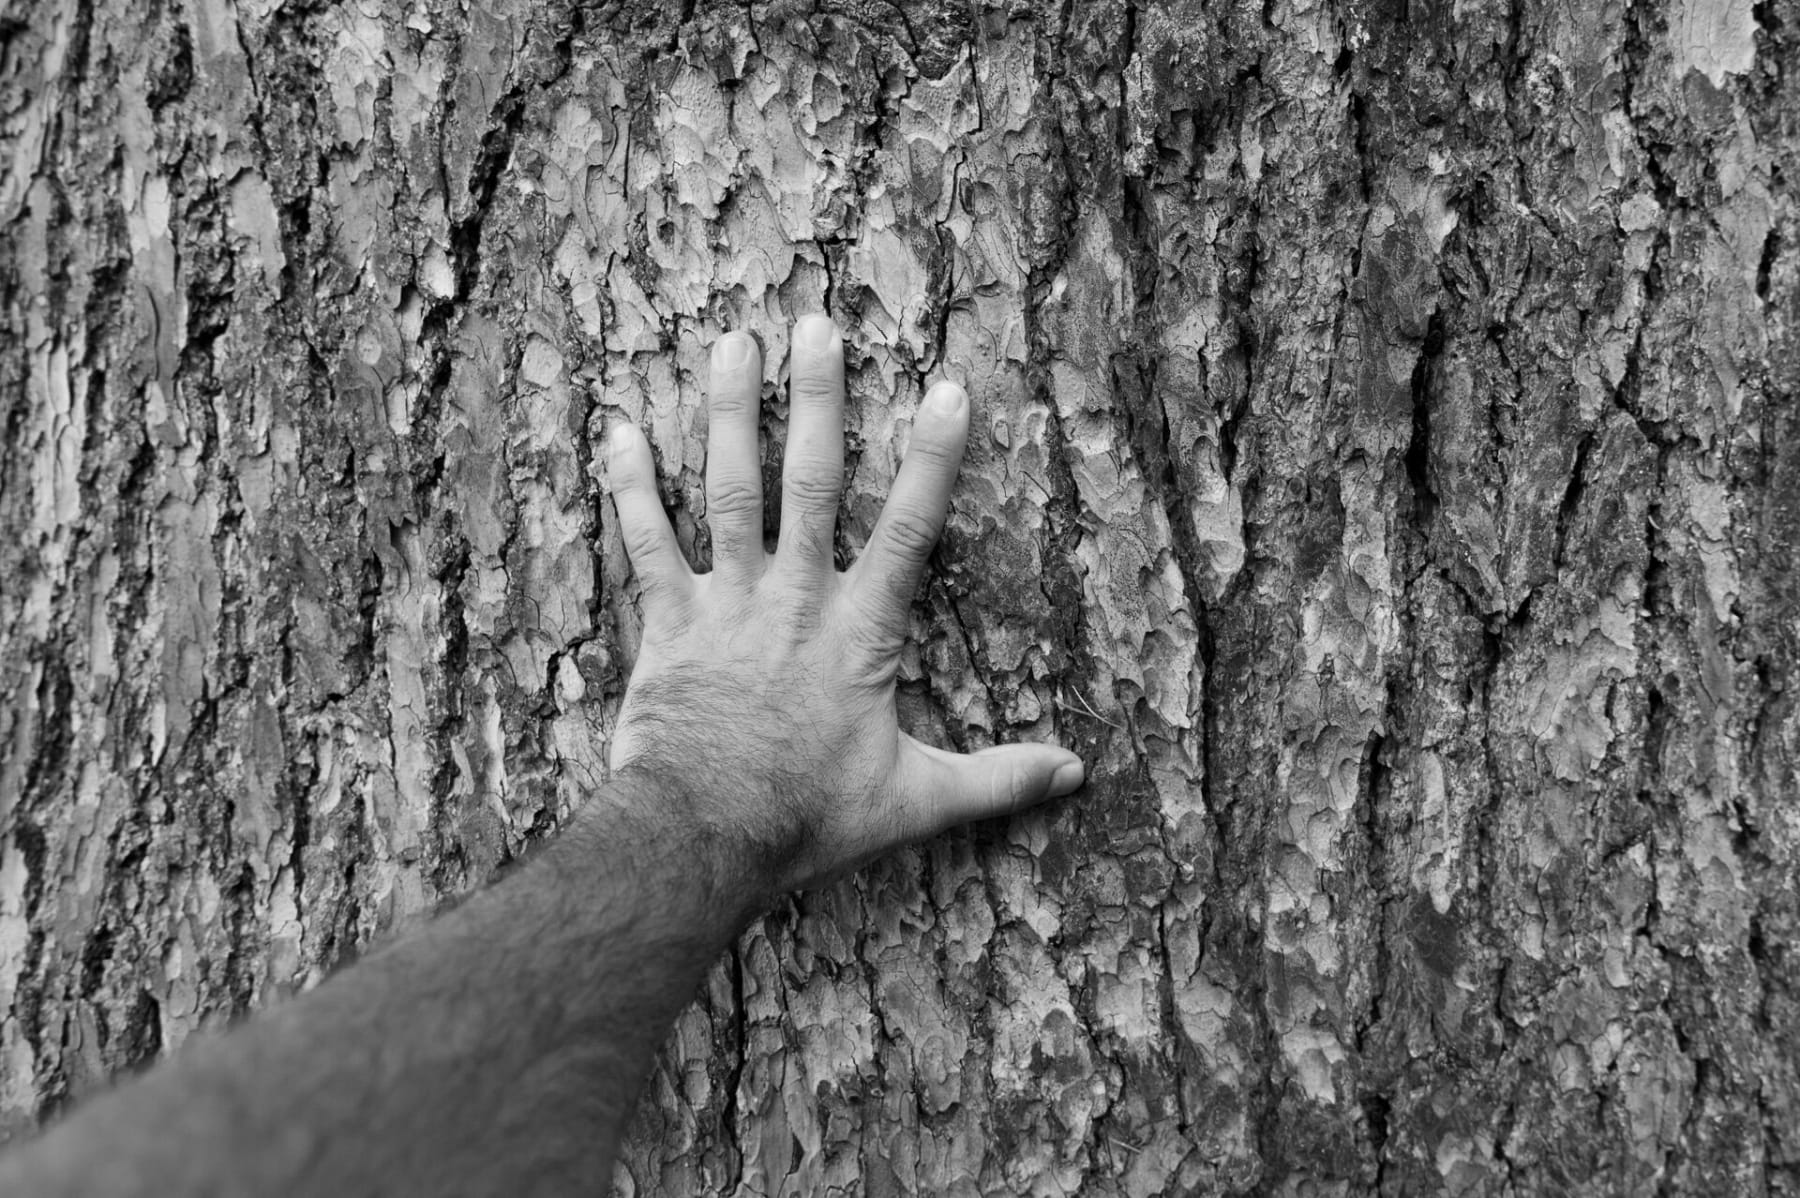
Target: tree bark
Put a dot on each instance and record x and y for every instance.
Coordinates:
(1385, 472)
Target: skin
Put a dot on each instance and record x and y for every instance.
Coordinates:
(500, 1049)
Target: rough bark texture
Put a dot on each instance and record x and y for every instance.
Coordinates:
(1386, 471)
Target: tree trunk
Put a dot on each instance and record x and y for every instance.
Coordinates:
(1385, 472)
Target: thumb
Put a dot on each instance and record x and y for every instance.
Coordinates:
(945, 789)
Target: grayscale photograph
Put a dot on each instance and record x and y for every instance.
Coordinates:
(884, 598)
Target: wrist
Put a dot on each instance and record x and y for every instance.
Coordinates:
(665, 827)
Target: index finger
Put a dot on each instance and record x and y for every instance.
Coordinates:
(885, 578)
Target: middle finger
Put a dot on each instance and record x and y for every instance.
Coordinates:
(812, 476)
(734, 502)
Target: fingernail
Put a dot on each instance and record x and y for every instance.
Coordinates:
(731, 351)
(815, 332)
(1067, 779)
(945, 399)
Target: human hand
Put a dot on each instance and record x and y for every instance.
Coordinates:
(763, 692)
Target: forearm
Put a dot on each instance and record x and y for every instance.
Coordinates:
(497, 1050)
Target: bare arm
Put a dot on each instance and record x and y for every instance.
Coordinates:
(500, 1049)
(496, 1051)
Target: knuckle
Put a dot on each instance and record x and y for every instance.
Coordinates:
(912, 532)
(813, 389)
(734, 405)
(734, 495)
(808, 486)
(1009, 787)
(625, 474)
(928, 446)
(641, 543)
